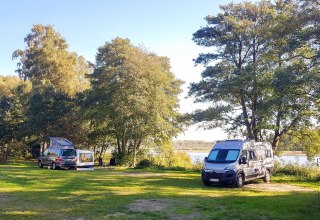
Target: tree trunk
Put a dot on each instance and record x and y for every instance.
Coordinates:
(6, 152)
(246, 119)
(275, 142)
(136, 146)
(134, 157)
(119, 145)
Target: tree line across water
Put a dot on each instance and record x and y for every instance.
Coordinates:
(261, 81)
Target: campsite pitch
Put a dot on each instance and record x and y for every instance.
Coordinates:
(27, 192)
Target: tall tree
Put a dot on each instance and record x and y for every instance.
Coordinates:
(134, 96)
(11, 114)
(260, 74)
(46, 60)
(58, 76)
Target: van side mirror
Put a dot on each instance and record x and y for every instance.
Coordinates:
(205, 159)
(243, 160)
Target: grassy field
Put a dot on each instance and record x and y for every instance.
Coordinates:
(27, 192)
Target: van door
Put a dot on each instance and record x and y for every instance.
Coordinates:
(44, 157)
(254, 164)
(245, 167)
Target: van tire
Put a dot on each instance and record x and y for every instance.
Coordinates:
(239, 180)
(40, 165)
(54, 166)
(206, 182)
(266, 177)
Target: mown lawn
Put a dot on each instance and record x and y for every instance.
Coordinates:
(27, 192)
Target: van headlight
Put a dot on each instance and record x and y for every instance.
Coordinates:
(229, 167)
(208, 170)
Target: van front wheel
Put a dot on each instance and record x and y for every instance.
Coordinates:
(266, 177)
(239, 180)
(205, 182)
(40, 165)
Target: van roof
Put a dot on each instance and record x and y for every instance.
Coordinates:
(61, 141)
(240, 144)
(227, 144)
(234, 140)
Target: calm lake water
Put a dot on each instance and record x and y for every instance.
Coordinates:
(300, 159)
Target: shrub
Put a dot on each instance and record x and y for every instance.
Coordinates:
(145, 163)
(168, 160)
(304, 172)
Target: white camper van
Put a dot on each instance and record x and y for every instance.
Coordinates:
(85, 160)
(238, 161)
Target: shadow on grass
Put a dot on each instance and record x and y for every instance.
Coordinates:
(107, 194)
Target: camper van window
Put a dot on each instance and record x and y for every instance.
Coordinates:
(86, 157)
(268, 153)
(68, 152)
(243, 154)
(252, 155)
(223, 156)
(52, 152)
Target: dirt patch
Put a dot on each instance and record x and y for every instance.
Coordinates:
(277, 187)
(3, 198)
(117, 215)
(165, 206)
(144, 205)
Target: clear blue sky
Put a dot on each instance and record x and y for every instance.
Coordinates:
(162, 26)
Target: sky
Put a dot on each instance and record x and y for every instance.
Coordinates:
(164, 27)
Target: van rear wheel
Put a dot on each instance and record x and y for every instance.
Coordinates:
(239, 181)
(40, 165)
(266, 177)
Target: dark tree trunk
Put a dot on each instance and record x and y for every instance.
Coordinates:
(246, 120)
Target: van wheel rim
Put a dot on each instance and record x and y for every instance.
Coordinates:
(240, 180)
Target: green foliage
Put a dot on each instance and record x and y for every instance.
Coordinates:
(46, 60)
(56, 77)
(134, 97)
(305, 139)
(306, 173)
(11, 114)
(167, 158)
(261, 77)
(145, 163)
(47, 110)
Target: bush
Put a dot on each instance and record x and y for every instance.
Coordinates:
(145, 163)
(170, 160)
(304, 172)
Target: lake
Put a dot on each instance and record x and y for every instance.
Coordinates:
(297, 159)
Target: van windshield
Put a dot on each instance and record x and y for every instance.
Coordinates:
(223, 156)
(68, 152)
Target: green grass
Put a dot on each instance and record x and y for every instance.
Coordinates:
(27, 192)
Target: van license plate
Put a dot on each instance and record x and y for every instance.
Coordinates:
(214, 180)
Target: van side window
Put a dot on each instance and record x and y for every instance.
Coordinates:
(243, 154)
(252, 155)
(45, 153)
(268, 153)
(51, 152)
